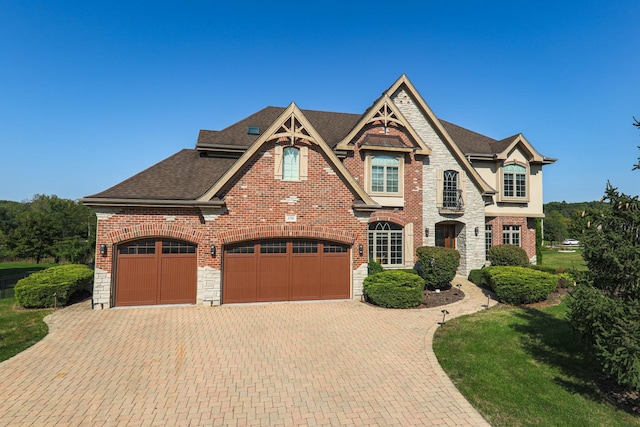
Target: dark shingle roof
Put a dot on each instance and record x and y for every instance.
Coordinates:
(187, 174)
(184, 176)
(471, 142)
(332, 127)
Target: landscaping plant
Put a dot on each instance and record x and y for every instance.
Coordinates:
(394, 289)
(508, 255)
(53, 286)
(605, 308)
(437, 266)
(519, 285)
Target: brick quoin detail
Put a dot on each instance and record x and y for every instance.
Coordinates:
(287, 231)
(527, 231)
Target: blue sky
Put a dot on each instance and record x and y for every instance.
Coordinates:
(93, 92)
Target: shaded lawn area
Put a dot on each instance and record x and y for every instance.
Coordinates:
(525, 367)
(20, 328)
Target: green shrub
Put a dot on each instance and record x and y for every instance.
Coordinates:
(437, 266)
(52, 286)
(508, 255)
(409, 270)
(546, 268)
(477, 277)
(394, 289)
(520, 285)
(374, 267)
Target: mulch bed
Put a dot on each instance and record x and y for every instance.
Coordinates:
(436, 299)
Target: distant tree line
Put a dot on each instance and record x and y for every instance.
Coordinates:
(47, 227)
(566, 220)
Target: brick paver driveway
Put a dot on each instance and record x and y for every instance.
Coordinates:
(326, 363)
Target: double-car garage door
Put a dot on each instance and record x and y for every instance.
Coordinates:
(285, 270)
(164, 271)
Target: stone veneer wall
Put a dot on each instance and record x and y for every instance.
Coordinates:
(470, 246)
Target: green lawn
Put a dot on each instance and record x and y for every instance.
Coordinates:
(569, 260)
(19, 328)
(525, 367)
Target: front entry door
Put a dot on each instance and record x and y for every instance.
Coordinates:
(446, 235)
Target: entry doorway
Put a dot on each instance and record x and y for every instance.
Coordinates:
(446, 235)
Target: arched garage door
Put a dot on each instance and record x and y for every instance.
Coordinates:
(285, 270)
(155, 271)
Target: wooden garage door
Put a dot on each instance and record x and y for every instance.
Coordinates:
(155, 271)
(285, 270)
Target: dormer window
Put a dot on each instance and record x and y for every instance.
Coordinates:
(385, 172)
(514, 181)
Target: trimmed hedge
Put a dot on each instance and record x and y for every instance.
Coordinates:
(374, 267)
(519, 285)
(477, 277)
(437, 266)
(508, 255)
(52, 286)
(394, 289)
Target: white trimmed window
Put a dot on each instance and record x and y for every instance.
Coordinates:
(291, 164)
(385, 174)
(514, 181)
(450, 197)
(488, 239)
(511, 235)
(386, 243)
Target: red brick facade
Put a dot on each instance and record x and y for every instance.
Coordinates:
(527, 231)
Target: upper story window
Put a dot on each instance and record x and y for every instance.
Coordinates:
(514, 181)
(451, 197)
(291, 164)
(385, 173)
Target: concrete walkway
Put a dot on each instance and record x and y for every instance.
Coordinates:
(324, 363)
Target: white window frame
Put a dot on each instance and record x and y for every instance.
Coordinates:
(291, 164)
(512, 235)
(386, 239)
(518, 189)
(393, 163)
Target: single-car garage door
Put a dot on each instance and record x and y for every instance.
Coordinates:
(155, 271)
(285, 270)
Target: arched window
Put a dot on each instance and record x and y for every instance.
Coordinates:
(514, 181)
(384, 174)
(450, 193)
(386, 243)
(291, 164)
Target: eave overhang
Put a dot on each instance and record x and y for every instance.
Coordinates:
(136, 203)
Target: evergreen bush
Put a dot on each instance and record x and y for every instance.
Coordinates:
(509, 255)
(519, 285)
(437, 266)
(394, 289)
(53, 286)
(374, 267)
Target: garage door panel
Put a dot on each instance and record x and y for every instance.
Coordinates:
(154, 271)
(240, 270)
(177, 275)
(334, 270)
(273, 277)
(306, 277)
(136, 280)
(286, 270)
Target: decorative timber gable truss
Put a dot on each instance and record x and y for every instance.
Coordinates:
(383, 113)
(404, 83)
(292, 126)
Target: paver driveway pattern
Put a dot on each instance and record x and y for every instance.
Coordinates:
(324, 363)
